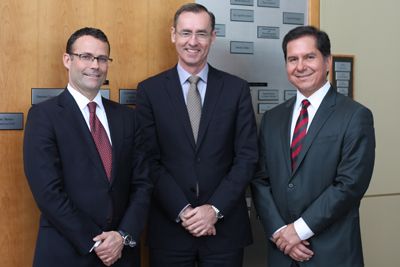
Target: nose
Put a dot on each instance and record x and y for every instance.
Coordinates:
(193, 40)
(300, 65)
(95, 63)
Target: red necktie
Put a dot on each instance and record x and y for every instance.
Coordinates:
(101, 139)
(299, 133)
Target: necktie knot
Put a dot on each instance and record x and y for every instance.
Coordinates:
(92, 107)
(305, 103)
(193, 80)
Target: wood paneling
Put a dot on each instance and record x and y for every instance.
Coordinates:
(313, 13)
(33, 35)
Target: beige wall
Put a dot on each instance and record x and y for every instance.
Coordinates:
(369, 30)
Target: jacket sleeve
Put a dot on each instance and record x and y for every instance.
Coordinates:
(233, 185)
(264, 202)
(353, 174)
(166, 190)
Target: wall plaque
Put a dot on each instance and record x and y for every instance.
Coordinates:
(42, 94)
(268, 95)
(127, 96)
(267, 32)
(11, 121)
(268, 3)
(243, 15)
(293, 18)
(242, 47)
(342, 73)
(220, 30)
(242, 2)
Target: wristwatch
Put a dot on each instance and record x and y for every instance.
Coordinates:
(218, 214)
(128, 240)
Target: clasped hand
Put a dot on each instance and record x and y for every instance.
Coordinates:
(199, 221)
(289, 242)
(110, 249)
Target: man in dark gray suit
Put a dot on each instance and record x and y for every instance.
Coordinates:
(315, 169)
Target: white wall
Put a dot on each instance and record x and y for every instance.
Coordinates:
(369, 30)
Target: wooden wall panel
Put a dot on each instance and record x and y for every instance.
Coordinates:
(313, 13)
(33, 35)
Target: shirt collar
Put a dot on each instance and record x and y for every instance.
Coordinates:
(184, 75)
(82, 100)
(315, 99)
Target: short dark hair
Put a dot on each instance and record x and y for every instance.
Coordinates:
(321, 37)
(96, 33)
(194, 8)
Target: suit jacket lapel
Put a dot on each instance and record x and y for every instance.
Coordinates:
(174, 90)
(70, 112)
(323, 113)
(285, 132)
(115, 125)
(213, 91)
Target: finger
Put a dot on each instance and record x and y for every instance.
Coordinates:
(99, 237)
(197, 230)
(305, 250)
(287, 249)
(194, 226)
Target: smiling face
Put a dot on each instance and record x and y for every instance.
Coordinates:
(87, 77)
(306, 67)
(193, 37)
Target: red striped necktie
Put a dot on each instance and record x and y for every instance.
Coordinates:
(299, 133)
(100, 139)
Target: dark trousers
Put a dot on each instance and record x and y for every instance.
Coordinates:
(196, 258)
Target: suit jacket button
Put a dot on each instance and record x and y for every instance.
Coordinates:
(291, 185)
(198, 159)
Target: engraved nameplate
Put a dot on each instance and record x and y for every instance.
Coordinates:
(11, 121)
(242, 47)
(268, 32)
(243, 15)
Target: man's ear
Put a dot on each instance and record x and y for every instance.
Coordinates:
(173, 35)
(67, 60)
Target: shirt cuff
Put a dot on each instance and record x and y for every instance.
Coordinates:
(218, 214)
(302, 229)
(178, 219)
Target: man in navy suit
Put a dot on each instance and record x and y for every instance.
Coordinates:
(92, 211)
(198, 212)
(309, 191)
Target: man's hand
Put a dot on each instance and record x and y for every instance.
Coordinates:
(301, 252)
(286, 239)
(110, 249)
(199, 221)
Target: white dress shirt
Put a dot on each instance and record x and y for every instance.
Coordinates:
(315, 100)
(83, 102)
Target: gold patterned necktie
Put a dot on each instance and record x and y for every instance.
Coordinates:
(194, 105)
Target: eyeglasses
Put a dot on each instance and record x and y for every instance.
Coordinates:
(89, 58)
(199, 35)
